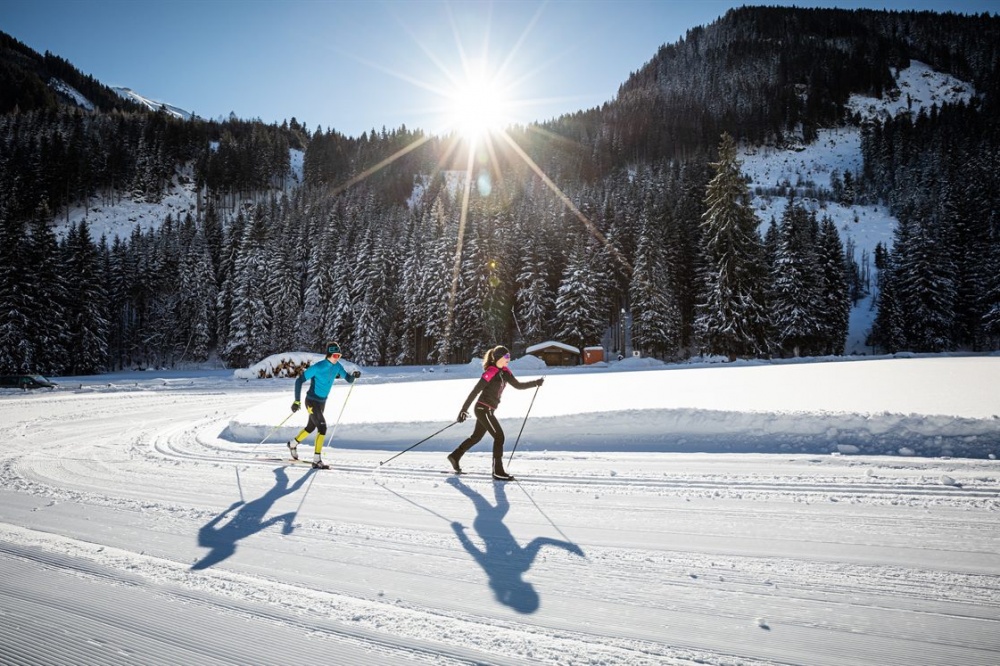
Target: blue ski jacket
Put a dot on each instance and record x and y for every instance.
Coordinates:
(322, 375)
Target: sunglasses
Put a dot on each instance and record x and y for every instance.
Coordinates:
(507, 356)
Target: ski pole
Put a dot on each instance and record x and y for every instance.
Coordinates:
(522, 424)
(419, 443)
(348, 397)
(271, 432)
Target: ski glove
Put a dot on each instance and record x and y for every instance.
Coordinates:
(539, 381)
(357, 373)
(462, 416)
(295, 406)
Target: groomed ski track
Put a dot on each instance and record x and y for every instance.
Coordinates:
(130, 532)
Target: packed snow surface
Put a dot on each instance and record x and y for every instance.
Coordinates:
(797, 513)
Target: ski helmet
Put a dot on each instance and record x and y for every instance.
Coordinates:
(332, 348)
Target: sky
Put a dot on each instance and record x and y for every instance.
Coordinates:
(744, 513)
(355, 66)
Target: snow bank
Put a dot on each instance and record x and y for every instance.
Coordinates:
(915, 407)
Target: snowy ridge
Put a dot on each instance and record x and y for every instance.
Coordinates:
(72, 93)
(153, 105)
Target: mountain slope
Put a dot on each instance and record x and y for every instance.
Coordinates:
(760, 73)
(30, 81)
(807, 170)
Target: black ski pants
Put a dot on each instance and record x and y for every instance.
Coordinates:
(316, 419)
(486, 422)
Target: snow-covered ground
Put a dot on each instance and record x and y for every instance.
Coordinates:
(795, 513)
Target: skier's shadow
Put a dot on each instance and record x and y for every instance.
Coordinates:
(503, 559)
(249, 520)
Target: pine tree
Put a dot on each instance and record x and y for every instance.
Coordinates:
(835, 307)
(730, 318)
(318, 300)
(797, 294)
(16, 352)
(196, 294)
(991, 299)
(656, 319)
(46, 291)
(926, 289)
(250, 318)
(578, 313)
(87, 341)
(535, 299)
(888, 329)
(437, 281)
(374, 279)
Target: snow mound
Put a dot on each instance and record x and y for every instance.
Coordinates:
(638, 363)
(528, 363)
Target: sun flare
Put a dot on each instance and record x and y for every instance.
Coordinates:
(478, 108)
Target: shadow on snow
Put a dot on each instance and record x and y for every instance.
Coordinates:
(502, 558)
(248, 521)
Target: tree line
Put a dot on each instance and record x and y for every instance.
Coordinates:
(658, 229)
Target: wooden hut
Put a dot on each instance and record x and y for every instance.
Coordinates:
(555, 353)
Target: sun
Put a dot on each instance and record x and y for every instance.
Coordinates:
(478, 108)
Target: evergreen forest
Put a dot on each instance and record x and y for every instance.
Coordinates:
(631, 213)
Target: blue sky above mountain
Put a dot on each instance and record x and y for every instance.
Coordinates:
(355, 66)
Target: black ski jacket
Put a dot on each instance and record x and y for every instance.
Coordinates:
(491, 385)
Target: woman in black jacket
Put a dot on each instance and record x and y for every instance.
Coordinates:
(490, 386)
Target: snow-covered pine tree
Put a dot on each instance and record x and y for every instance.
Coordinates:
(656, 319)
(535, 300)
(467, 328)
(87, 342)
(283, 293)
(730, 318)
(374, 275)
(341, 307)
(797, 289)
(835, 310)
(160, 329)
(46, 289)
(991, 300)
(926, 288)
(250, 317)
(316, 322)
(410, 293)
(436, 281)
(16, 352)
(227, 283)
(579, 315)
(888, 329)
(196, 294)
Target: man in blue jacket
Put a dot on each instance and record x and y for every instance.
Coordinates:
(321, 376)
